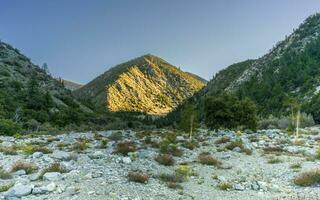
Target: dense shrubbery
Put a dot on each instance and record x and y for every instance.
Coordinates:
(227, 111)
(8, 127)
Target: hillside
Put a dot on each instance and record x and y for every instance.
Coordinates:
(70, 85)
(146, 84)
(289, 71)
(28, 92)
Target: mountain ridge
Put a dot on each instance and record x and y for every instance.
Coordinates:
(146, 84)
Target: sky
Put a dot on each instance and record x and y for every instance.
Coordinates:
(80, 39)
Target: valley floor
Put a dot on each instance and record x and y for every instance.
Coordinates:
(264, 167)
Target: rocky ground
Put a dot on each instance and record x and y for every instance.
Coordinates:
(246, 166)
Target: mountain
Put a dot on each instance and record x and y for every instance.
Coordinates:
(290, 70)
(198, 77)
(70, 85)
(146, 84)
(28, 92)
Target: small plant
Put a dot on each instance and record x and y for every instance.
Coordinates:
(295, 166)
(273, 160)
(234, 144)
(4, 174)
(26, 166)
(80, 146)
(172, 178)
(225, 186)
(206, 159)
(222, 140)
(138, 177)
(318, 154)
(184, 170)
(308, 178)
(189, 145)
(125, 147)
(5, 187)
(174, 185)
(165, 159)
(104, 143)
(116, 136)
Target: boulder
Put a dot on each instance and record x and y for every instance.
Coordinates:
(52, 176)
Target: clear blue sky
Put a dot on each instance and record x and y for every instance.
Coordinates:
(80, 39)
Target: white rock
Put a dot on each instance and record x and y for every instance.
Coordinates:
(19, 190)
(52, 176)
(20, 172)
(37, 155)
(239, 187)
(51, 187)
(126, 160)
(61, 155)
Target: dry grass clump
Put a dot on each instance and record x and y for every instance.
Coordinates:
(225, 186)
(26, 166)
(165, 159)
(138, 177)
(52, 139)
(308, 178)
(8, 150)
(61, 145)
(80, 146)
(54, 167)
(174, 185)
(247, 151)
(42, 149)
(172, 178)
(298, 142)
(4, 174)
(273, 150)
(222, 140)
(125, 147)
(206, 159)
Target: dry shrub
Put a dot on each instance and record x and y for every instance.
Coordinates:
(171, 178)
(138, 177)
(165, 159)
(308, 178)
(125, 147)
(222, 140)
(26, 166)
(206, 159)
(272, 150)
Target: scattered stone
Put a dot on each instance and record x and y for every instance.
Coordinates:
(61, 155)
(52, 176)
(19, 190)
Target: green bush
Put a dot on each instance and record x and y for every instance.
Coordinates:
(227, 111)
(8, 127)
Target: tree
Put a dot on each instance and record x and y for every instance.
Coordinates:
(227, 111)
(189, 120)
